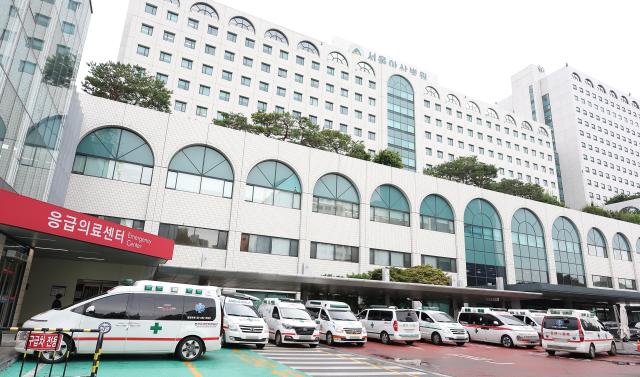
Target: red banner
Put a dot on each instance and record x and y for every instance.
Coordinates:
(26, 213)
(44, 342)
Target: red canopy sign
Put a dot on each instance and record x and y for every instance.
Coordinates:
(26, 213)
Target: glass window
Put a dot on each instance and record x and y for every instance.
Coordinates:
(110, 307)
(243, 101)
(226, 75)
(200, 169)
(201, 111)
(68, 28)
(246, 81)
(389, 205)
(436, 214)
(168, 36)
(445, 264)
(626, 284)
(602, 281)
(232, 37)
(621, 248)
(268, 245)
(267, 49)
(42, 20)
(193, 236)
(334, 252)
(483, 244)
(212, 30)
(180, 106)
(530, 254)
(153, 307)
(274, 183)
(247, 62)
(193, 23)
(189, 43)
(172, 16)
(335, 195)
(150, 8)
(568, 253)
(224, 96)
(165, 57)
(207, 70)
(230, 56)
(146, 29)
(389, 258)
(276, 35)
(183, 84)
(401, 119)
(596, 244)
(186, 63)
(27, 67)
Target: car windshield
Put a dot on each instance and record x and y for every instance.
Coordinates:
(441, 317)
(240, 310)
(510, 320)
(342, 315)
(538, 319)
(293, 313)
(406, 316)
(560, 323)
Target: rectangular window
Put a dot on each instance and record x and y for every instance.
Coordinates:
(189, 43)
(282, 73)
(264, 67)
(162, 77)
(254, 243)
(143, 50)
(327, 251)
(165, 57)
(146, 29)
(169, 37)
(372, 135)
(299, 60)
(243, 101)
(193, 23)
(445, 264)
(150, 8)
(372, 84)
(344, 128)
(192, 236)
(226, 75)
(204, 90)
(358, 80)
(389, 258)
(329, 88)
(328, 105)
(230, 56)
(602, 281)
(344, 92)
(183, 84)
(284, 55)
(357, 132)
(232, 37)
(299, 78)
(626, 284)
(27, 67)
(201, 111)
(315, 83)
(281, 91)
(372, 118)
(344, 110)
(328, 124)
(68, 28)
(262, 106)
(372, 101)
(172, 16)
(207, 70)
(224, 96)
(315, 65)
(180, 106)
(263, 86)
(358, 114)
(297, 96)
(246, 81)
(331, 71)
(247, 62)
(267, 49)
(313, 101)
(344, 75)
(212, 30)
(358, 97)
(42, 20)
(186, 63)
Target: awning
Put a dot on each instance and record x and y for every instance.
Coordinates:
(273, 281)
(550, 291)
(58, 232)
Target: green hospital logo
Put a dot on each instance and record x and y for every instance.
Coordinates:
(155, 328)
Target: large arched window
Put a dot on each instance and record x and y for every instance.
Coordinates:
(274, 183)
(601, 89)
(451, 98)
(596, 244)
(621, 248)
(613, 94)
(589, 82)
(276, 35)
(114, 153)
(431, 92)
(366, 67)
(473, 107)
(529, 252)
(567, 252)
(336, 195)
(200, 169)
(41, 142)
(491, 113)
(576, 77)
(436, 214)
(527, 126)
(630, 209)
(308, 47)
(242, 23)
(543, 132)
(484, 246)
(389, 205)
(624, 100)
(510, 120)
(634, 104)
(337, 57)
(401, 120)
(205, 9)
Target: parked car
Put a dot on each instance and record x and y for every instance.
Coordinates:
(575, 331)
(289, 322)
(497, 326)
(241, 323)
(439, 327)
(337, 323)
(390, 324)
(532, 318)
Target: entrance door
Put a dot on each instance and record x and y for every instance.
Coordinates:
(12, 264)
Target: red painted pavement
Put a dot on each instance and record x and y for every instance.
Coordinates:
(480, 359)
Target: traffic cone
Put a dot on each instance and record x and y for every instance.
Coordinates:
(638, 345)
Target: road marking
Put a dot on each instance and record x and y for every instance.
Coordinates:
(379, 373)
(476, 358)
(192, 369)
(339, 367)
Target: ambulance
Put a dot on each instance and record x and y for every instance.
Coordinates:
(148, 317)
(337, 323)
(241, 323)
(576, 331)
(497, 326)
(439, 327)
(289, 322)
(530, 317)
(390, 324)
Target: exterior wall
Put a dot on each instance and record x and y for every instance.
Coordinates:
(527, 155)
(166, 134)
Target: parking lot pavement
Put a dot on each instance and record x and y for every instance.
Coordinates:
(479, 359)
(334, 362)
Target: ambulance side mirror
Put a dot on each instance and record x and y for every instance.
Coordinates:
(90, 309)
(496, 323)
(317, 321)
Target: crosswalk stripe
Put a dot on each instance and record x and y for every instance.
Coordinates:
(380, 373)
(340, 367)
(290, 358)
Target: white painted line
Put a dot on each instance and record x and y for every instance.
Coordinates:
(380, 373)
(285, 358)
(306, 367)
(327, 363)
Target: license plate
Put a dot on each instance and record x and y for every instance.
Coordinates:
(306, 337)
(353, 337)
(252, 336)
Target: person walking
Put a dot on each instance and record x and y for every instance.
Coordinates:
(57, 304)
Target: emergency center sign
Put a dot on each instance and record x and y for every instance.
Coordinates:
(26, 213)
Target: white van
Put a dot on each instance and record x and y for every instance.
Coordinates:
(440, 327)
(389, 323)
(241, 323)
(147, 317)
(497, 326)
(575, 331)
(530, 317)
(337, 323)
(289, 322)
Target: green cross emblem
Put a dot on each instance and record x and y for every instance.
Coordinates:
(155, 328)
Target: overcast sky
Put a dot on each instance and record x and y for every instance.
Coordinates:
(472, 46)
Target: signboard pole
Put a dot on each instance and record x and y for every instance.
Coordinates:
(66, 359)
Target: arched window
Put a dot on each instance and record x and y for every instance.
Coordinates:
(510, 119)
(596, 244)
(338, 58)
(542, 131)
(432, 92)
(274, 183)
(174, 2)
(529, 252)
(114, 153)
(336, 195)
(436, 214)
(308, 47)
(473, 107)
(401, 120)
(613, 94)
(242, 23)
(527, 126)
(3, 130)
(601, 89)
(356, 52)
(630, 209)
(389, 205)
(205, 9)
(624, 100)
(365, 67)
(41, 142)
(491, 113)
(484, 246)
(634, 104)
(589, 83)
(200, 169)
(576, 77)
(568, 253)
(621, 248)
(453, 99)
(276, 35)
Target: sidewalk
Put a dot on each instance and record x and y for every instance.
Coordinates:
(628, 348)
(7, 354)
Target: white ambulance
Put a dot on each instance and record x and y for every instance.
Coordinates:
(337, 323)
(530, 317)
(576, 331)
(497, 326)
(390, 324)
(146, 317)
(439, 327)
(241, 323)
(289, 322)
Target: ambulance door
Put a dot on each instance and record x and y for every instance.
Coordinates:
(154, 322)
(108, 313)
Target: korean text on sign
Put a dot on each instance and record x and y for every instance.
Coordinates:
(69, 223)
(44, 342)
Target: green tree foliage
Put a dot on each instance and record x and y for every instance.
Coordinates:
(358, 150)
(524, 190)
(235, 121)
(630, 217)
(622, 198)
(423, 274)
(389, 158)
(59, 69)
(466, 169)
(127, 83)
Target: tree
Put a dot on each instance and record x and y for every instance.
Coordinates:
(59, 69)
(357, 150)
(127, 83)
(622, 198)
(335, 141)
(466, 169)
(423, 274)
(235, 121)
(389, 158)
(530, 191)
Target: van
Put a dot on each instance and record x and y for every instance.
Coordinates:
(575, 331)
(530, 317)
(241, 323)
(148, 317)
(497, 326)
(289, 322)
(390, 324)
(337, 323)
(439, 327)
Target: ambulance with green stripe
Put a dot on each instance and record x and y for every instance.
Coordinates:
(439, 327)
(337, 322)
(148, 317)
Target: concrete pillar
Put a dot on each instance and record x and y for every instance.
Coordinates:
(23, 288)
(387, 299)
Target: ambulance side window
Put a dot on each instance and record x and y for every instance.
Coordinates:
(110, 307)
(313, 312)
(276, 313)
(144, 306)
(387, 315)
(374, 315)
(324, 316)
(426, 318)
(465, 318)
(199, 308)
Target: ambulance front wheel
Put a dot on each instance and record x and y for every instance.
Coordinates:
(54, 357)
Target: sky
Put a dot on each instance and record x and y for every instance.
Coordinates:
(471, 46)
